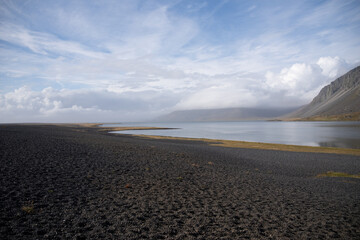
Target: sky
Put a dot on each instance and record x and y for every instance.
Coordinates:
(112, 61)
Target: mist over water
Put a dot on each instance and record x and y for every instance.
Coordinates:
(327, 134)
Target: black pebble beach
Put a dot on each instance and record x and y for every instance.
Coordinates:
(61, 182)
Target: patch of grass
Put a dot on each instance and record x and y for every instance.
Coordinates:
(284, 147)
(28, 208)
(338, 174)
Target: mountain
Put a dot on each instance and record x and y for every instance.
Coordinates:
(340, 100)
(225, 114)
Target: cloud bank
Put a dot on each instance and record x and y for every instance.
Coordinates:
(292, 86)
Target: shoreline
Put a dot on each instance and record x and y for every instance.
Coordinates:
(257, 145)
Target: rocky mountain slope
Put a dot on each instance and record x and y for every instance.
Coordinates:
(341, 97)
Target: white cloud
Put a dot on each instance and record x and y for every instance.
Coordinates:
(218, 97)
(64, 105)
(333, 67)
(299, 77)
(303, 81)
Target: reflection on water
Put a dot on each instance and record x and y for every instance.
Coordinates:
(342, 143)
(326, 134)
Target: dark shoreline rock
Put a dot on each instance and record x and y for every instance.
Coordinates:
(89, 185)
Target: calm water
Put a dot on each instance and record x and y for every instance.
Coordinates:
(328, 134)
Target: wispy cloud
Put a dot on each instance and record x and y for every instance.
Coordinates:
(42, 43)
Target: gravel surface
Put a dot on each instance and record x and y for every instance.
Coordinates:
(61, 182)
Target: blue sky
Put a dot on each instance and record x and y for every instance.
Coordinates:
(73, 61)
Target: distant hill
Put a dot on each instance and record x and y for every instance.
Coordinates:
(340, 100)
(225, 114)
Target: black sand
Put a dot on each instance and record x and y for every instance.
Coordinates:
(76, 183)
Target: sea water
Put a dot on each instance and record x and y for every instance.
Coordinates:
(326, 134)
